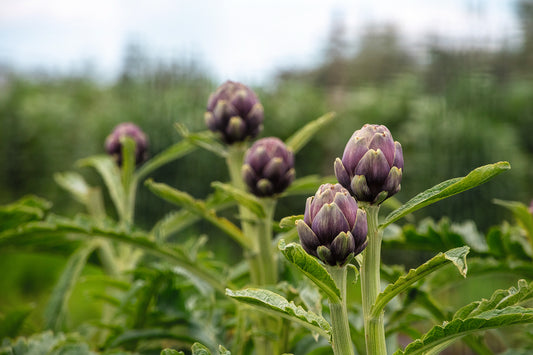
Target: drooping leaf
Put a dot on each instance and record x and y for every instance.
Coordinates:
(243, 198)
(56, 309)
(274, 304)
(446, 189)
(198, 207)
(441, 336)
(87, 195)
(300, 138)
(456, 256)
(111, 175)
(311, 268)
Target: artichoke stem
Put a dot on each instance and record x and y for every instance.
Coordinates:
(371, 285)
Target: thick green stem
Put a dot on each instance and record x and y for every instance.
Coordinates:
(341, 339)
(371, 286)
(262, 269)
(267, 260)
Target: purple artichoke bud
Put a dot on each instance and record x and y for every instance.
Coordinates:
(234, 111)
(268, 167)
(114, 147)
(372, 164)
(334, 228)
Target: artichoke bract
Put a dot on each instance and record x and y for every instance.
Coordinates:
(268, 167)
(333, 229)
(113, 145)
(234, 112)
(372, 164)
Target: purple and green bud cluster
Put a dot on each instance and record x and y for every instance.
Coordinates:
(333, 229)
(113, 143)
(372, 164)
(234, 112)
(268, 167)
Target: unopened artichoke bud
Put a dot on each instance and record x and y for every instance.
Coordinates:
(268, 167)
(234, 111)
(113, 145)
(372, 164)
(333, 229)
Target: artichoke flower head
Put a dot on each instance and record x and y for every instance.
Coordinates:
(372, 165)
(333, 229)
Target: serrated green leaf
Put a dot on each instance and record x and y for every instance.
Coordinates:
(198, 207)
(171, 352)
(199, 349)
(441, 336)
(290, 222)
(311, 268)
(170, 154)
(245, 199)
(446, 189)
(60, 227)
(24, 210)
(56, 309)
(300, 138)
(272, 303)
(499, 300)
(455, 256)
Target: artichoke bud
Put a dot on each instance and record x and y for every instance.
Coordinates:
(113, 143)
(268, 167)
(372, 165)
(234, 112)
(334, 229)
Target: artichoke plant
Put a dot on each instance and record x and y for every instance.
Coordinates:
(268, 167)
(372, 164)
(113, 145)
(234, 112)
(333, 229)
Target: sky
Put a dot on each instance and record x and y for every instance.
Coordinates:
(245, 40)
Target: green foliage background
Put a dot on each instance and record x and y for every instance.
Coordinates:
(458, 109)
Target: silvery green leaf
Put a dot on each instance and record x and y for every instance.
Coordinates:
(310, 267)
(455, 256)
(441, 336)
(446, 189)
(274, 304)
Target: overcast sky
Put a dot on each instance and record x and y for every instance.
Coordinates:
(243, 40)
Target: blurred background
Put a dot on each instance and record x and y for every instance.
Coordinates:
(451, 79)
